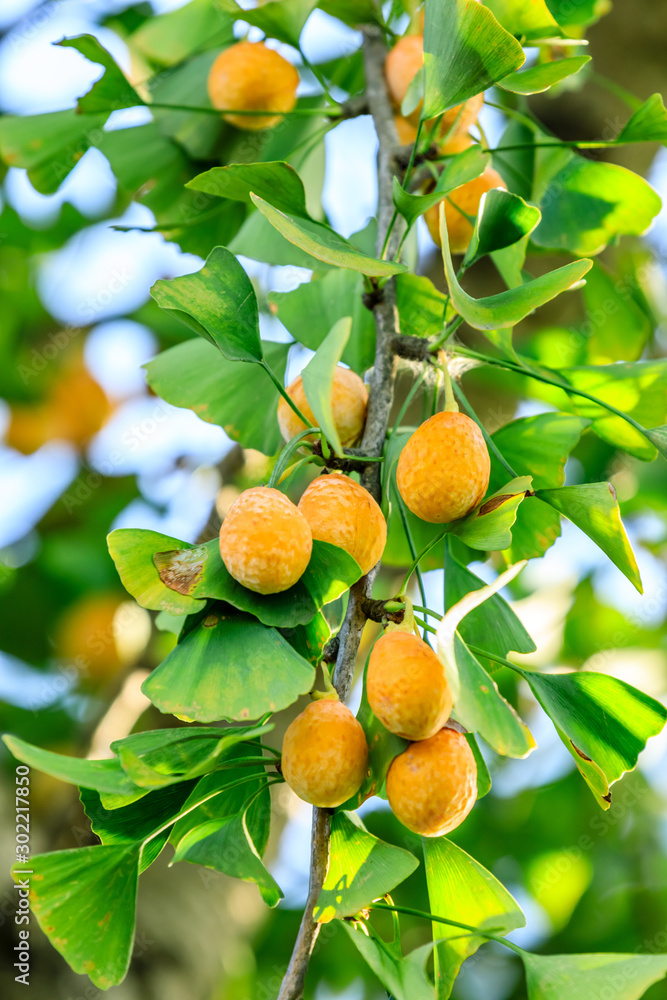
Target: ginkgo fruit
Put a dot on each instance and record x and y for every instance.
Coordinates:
(405, 130)
(444, 467)
(86, 636)
(432, 786)
(407, 687)
(349, 399)
(249, 76)
(463, 201)
(456, 143)
(342, 512)
(75, 408)
(265, 541)
(325, 754)
(402, 64)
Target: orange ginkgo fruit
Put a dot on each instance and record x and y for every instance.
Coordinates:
(342, 512)
(432, 786)
(444, 467)
(349, 398)
(249, 76)
(407, 687)
(265, 541)
(325, 755)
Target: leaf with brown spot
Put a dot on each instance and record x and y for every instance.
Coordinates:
(132, 550)
(237, 669)
(488, 527)
(200, 573)
(604, 722)
(85, 904)
(495, 502)
(180, 569)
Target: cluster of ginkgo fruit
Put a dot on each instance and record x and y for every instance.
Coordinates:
(248, 78)
(266, 543)
(442, 474)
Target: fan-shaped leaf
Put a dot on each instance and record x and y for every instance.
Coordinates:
(539, 78)
(460, 888)
(593, 508)
(465, 51)
(362, 868)
(84, 901)
(323, 243)
(218, 302)
(229, 666)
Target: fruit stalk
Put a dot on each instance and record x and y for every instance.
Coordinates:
(381, 395)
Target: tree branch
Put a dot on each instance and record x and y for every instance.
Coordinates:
(381, 395)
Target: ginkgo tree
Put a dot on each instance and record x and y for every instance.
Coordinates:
(244, 655)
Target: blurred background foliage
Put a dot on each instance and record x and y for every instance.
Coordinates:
(86, 447)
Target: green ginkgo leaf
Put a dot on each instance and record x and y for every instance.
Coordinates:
(84, 900)
(229, 666)
(218, 302)
(362, 868)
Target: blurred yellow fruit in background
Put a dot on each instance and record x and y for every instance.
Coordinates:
(249, 76)
(86, 636)
(75, 408)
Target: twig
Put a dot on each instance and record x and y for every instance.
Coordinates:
(377, 611)
(352, 460)
(381, 384)
(412, 348)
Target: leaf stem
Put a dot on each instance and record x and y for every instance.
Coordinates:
(307, 460)
(293, 445)
(425, 625)
(450, 328)
(406, 403)
(413, 550)
(294, 113)
(283, 392)
(434, 918)
(424, 552)
(318, 76)
(428, 611)
(406, 178)
(565, 386)
(207, 798)
(490, 443)
(245, 762)
(494, 656)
